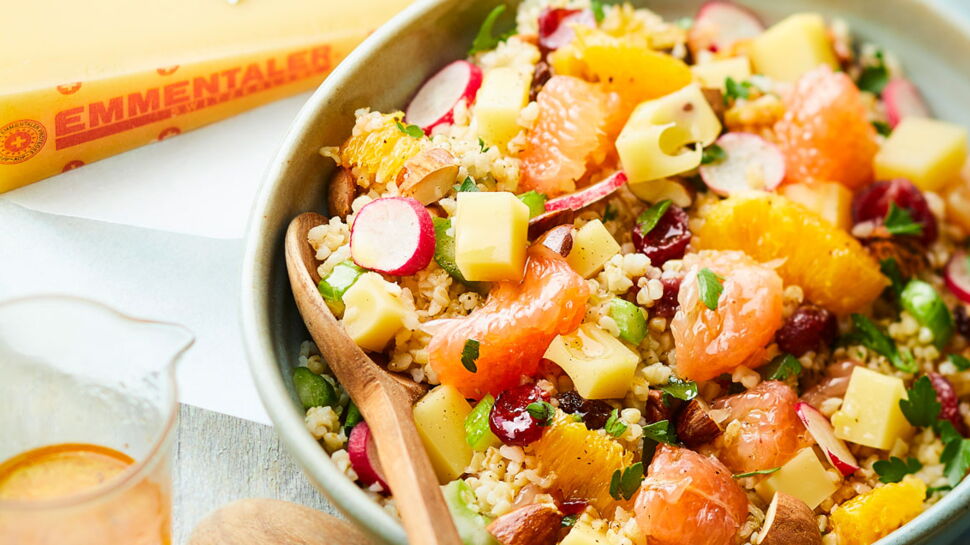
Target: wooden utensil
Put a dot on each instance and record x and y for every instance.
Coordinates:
(384, 399)
(274, 522)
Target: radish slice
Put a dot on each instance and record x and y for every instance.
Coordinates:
(751, 163)
(435, 102)
(821, 429)
(363, 457)
(589, 195)
(903, 99)
(719, 24)
(556, 26)
(957, 276)
(393, 235)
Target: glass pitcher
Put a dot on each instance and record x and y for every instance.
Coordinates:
(75, 373)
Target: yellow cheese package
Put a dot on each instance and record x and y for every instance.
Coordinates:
(81, 81)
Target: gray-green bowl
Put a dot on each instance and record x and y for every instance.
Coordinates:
(385, 71)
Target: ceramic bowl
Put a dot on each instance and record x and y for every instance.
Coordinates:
(386, 70)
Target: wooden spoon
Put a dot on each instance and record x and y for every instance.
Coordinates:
(274, 522)
(384, 399)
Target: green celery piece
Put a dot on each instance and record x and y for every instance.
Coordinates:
(312, 389)
(632, 324)
(478, 434)
(925, 304)
(444, 251)
(333, 287)
(468, 521)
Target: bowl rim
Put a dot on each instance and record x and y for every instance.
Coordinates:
(260, 241)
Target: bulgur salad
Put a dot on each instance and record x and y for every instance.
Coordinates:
(701, 281)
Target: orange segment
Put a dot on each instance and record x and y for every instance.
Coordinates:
(831, 266)
(689, 498)
(749, 311)
(635, 73)
(378, 149)
(825, 134)
(583, 461)
(514, 327)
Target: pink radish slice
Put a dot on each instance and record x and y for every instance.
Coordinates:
(587, 196)
(957, 276)
(556, 26)
(821, 429)
(393, 235)
(719, 24)
(363, 457)
(903, 99)
(435, 102)
(751, 163)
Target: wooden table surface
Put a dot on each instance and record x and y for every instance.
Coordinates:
(221, 458)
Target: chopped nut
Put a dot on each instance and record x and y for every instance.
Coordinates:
(429, 175)
(535, 524)
(910, 258)
(789, 522)
(547, 220)
(655, 409)
(695, 426)
(558, 239)
(342, 192)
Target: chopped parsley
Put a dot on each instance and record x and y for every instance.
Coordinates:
(734, 90)
(485, 40)
(874, 77)
(890, 268)
(467, 185)
(710, 285)
(626, 483)
(960, 362)
(759, 472)
(609, 213)
(469, 355)
(900, 222)
(481, 146)
(569, 520)
(649, 218)
(869, 335)
(882, 128)
(542, 411)
(921, 408)
(684, 390)
(656, 433)
(956, 460)
(713, 154)
(783, 367)
(614, 426)
(413, 131)
(597, 7)
(894, 469)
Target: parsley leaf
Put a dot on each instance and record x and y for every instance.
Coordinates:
(469, 353)
(413, 131)
(569, 520)
(713, 154)
(900, 222)
(597, 7)
(894, 469)
(783, 367)
(960, 362)
(946, 431)
(624, 485)
(874, 77)
(467, 185)
(656, 433)
(921, 408)
(542, 411)
(614, 426)
(759, 472)
(734, 90)
(609, 213)
(882, 128)
(485, 40)
(684, 390)
(890, 268)
(873, 338)
(649, 218)
(710, 286)
(481, 146)
(535, 201)
(956, 460)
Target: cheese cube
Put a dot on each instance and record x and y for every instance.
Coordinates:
(928, 152)
(503, 94)
(804, 477)
(584, 535)
(491, 236)
(831, 200)
(593, 246)
(440, 419)
(600, 366)
(373, 314)
(792, 47)
(714, 73)
(656, 140)
(870, 413)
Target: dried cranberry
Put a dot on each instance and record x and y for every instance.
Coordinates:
(962, 320)
(573, 506)
(667, 240)
(509, 419)
(947, 397)
(667, 305)
(809, 328)
(594, 412)
(555, 26)
(540, 76)
(872, 204)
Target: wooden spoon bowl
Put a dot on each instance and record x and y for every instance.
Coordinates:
(384, 398)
